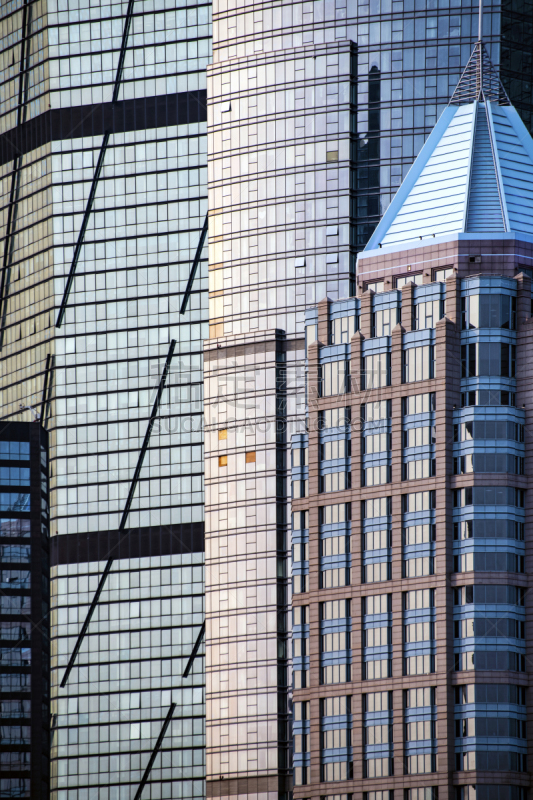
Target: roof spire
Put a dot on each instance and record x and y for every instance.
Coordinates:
(480, 46)
(480, 79)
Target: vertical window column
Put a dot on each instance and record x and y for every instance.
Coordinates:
(300, 552)
(378, 748)
(377, 636)
(299, 466)
(300, 646)
(376, 443)
(335, 641)
(419, 632)
(335, 558)
(336, 742)
(376, 540)
(419, 533)
(301, 727)
(419, 436)
(420, 731)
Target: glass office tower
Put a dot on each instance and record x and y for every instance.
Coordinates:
(24, 612)
(316, 111)
(103, 178)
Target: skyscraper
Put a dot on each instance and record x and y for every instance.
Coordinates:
(103, 190)
(316, 113)
(412, 537)
(24, 612)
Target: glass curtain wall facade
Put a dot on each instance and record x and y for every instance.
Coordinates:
(315, 114)
(24, 612)
(116, 89)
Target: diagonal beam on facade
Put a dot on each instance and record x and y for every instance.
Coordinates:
(81, 235)
(47, 384)
(125, 513)
(194, 267)
(97, 171)
(155, 751)
(194, 651)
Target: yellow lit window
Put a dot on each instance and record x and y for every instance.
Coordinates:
(222, 461)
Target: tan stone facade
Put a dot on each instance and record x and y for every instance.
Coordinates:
(497, 258)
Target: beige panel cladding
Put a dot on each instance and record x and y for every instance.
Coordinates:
(279, 175)
(279, 122)
(467, 256)
(245, 621)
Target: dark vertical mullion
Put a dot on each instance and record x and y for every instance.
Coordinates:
(24, 61)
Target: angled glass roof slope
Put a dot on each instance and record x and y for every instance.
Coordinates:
(431, 198)
(474, 174)
(514, 146)
(476, 177)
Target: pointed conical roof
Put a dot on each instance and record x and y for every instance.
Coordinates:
(473, 175)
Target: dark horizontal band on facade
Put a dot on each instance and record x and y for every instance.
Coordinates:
(92, 120)
(164, 540)
(225, 787)
(269, 345)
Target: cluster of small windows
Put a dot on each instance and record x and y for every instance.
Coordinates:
(334, 418)
(336, 751)
(376, 540)
(490, 528)
(488, 359)
(334, 378)
(383, 321)
(377, 636)
(301, 741)
(488, 429)
(335, 641)
(300, 641)
(427, 313)
(419, 631)
(377, 735)
(488, 311)
(418, 363)
(488, 462)
(335, 559)
(342, 329)
(489, 496)
(488, 397)
(300, 551)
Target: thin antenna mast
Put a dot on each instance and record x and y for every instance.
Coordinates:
(480, 47)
